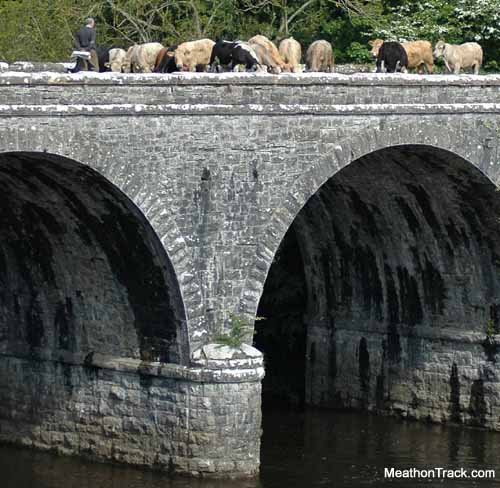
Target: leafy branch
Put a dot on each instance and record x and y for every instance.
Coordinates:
(239, 326)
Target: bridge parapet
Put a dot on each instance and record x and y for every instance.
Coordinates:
(256, 91)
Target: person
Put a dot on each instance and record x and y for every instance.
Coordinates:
(85, 40)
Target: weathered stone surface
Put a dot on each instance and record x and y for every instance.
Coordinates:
(185, 426)
(212, 171)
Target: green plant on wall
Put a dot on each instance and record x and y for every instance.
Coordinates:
(490, 329)
(239, 327)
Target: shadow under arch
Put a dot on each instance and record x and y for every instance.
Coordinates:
(345, 152)
(81, 269)
(398, 249)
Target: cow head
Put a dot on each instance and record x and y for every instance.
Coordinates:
(439, 49)
(126, 66)
(182, 55)
(375, 45)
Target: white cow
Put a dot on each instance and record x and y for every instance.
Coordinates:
(457, 57)
(143, 58)
(116, 58)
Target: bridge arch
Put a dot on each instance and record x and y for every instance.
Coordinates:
(81, 268)
(393, 254)
(341, 154)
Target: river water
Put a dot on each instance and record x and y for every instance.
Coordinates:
(317, 448)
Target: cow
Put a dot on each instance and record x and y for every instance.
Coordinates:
(144, 56)
(165, 60)
(291, 52)
(116, 58)
(222, 51)
(233, 54)
(393, 57)
(419, 54)
(244, 54)
(461, 56)
(189, 55)
(127, 62)
(103, 58)
(319, 56)
(268, 54)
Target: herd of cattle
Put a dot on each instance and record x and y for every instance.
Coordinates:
(261, 54)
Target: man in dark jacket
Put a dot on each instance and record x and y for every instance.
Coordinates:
(85, 40)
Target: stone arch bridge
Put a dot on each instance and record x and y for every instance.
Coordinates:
(358, 214)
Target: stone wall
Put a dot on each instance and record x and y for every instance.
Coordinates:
(201, 421)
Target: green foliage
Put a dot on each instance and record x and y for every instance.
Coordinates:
(358, 53)
(490, 329)
(239, 328)
(42, 30)
(38, 30)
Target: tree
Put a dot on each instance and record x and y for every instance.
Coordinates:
(46, 31)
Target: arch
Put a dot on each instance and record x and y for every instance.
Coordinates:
(397, 252)
(343, 153)
(82, 269)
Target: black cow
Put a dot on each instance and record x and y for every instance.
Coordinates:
(393, 56)
(230, 54)
(222, 52)
(167, 63)
(103, 58)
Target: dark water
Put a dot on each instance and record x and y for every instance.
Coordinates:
(312, 449)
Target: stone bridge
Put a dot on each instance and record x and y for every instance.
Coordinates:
(358, 214)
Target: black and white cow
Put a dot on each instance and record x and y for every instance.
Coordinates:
(393, 57)
(231, 54)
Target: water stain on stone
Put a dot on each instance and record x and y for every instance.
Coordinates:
(434, 288)
(454, 394)
(477, 403)
(367, 276)
(64, 325)
(425, 205)
(411, 307)
(363, 211)
(410, 217)
(364, 366)
(392, 304)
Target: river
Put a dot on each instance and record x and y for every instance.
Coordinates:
(317, 448)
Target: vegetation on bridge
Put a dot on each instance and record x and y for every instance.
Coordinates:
(41, 30)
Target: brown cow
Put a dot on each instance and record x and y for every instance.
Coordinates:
(268, 54)
(189, 55)
(419, 54)
(291, 52)
(319, 56)
(165, 60)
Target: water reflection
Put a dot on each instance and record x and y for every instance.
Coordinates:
(324, 448)
(313, 449)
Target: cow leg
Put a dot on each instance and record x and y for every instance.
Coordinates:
(456, 71)
(429, 67)
(380, 65)
(476, 68)
(448, 67)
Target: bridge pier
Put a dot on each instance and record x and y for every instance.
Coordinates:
(202, 420)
